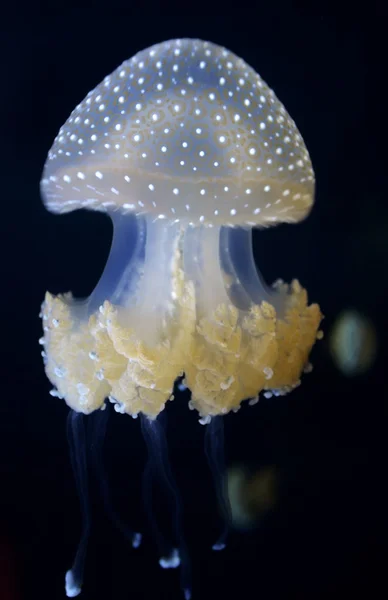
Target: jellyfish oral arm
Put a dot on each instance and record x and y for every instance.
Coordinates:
(178, 300)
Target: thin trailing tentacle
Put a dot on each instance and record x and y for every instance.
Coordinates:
(158, 467)
(99, 426)
(215, 453)
(77, 446)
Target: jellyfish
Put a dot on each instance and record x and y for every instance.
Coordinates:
(186, 149)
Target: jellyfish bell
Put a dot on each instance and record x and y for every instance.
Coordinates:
(187, 149)
(187, 131)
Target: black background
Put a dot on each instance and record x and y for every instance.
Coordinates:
(327, 536)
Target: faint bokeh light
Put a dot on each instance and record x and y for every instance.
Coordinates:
(353, 343)
(252, 494)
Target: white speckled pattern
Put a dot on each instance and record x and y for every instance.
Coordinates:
(187, 131)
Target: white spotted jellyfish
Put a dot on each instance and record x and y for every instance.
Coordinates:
(187, 149)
